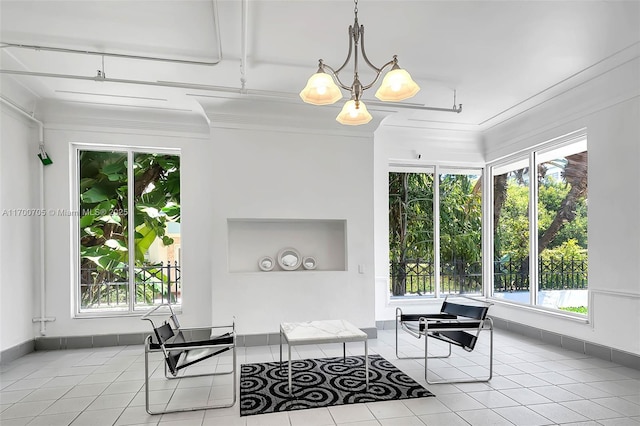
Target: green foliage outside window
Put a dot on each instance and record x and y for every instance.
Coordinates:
(105, 222)
(411, 228)
(562, 230)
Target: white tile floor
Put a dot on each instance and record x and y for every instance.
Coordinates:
(533, 384)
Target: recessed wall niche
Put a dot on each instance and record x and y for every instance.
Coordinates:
(251, 239)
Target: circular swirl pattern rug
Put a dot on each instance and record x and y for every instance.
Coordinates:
(322, 382)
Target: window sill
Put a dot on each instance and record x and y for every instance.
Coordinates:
(541, 309)
(123, 314)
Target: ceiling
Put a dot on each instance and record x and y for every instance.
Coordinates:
(500, 58)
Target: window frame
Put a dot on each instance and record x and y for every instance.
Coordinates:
(531, 155)
(130, 150)
(437, 169)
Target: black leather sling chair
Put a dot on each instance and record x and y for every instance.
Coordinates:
(459, 323)
(178, 352)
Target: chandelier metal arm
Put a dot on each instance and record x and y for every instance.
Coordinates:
(366, 59)
(335, 75)
(364, 54)
(336, 72)
(378, 72)
(346, 61)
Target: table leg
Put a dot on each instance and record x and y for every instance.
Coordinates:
(280, 348)
(366, 364)
(290, 387)
(344, 351)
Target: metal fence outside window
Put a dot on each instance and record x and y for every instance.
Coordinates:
(416, 276)
(154, 285)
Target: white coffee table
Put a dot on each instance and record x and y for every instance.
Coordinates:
(321, 332)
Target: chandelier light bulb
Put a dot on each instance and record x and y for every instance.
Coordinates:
(354, 114)
(321, 90)
(397, 85)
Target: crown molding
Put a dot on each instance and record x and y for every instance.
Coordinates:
(548, 96)
(61, 115)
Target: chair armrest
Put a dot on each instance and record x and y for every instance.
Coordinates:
(220, 341)
(416, 317)
(214, 343)
(206, 327)
(445, 324)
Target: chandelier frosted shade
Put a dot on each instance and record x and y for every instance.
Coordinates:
(397, 85)
(321, 90)
(354, 113)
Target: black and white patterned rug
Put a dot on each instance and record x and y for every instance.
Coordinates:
(321, 383)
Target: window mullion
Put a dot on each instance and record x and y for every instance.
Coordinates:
(436, 229)
(487, 233)
(75, 206)
(533, 229)
(131, 226)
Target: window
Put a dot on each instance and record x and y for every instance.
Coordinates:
(128, 229)
(562, 227)
(461, 232)
(411, 239)
(511, 231)
(435, 231)
(552, 206)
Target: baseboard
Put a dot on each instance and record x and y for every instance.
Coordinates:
(78, 342)
(626, 359)
(274, 338)
(15, 352)
(47, 343)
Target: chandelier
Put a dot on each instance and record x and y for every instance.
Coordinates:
(321, 89)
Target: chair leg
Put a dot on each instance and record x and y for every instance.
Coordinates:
(169, 376)
(204, 407)
(418, 357)
(146, 373)
(476, 380)
(397, 353)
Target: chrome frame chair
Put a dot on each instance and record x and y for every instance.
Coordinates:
(179, 353)
(457, 324)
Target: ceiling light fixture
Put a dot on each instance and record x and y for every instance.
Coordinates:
(321, 89)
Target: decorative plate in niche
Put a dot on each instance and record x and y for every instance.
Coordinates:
(309, 263)
(266, 263)
(289, 259)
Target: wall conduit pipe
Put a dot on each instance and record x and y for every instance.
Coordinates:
(243, 37)
(43, 319)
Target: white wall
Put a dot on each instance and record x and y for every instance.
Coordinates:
(396, 146)
(608, 106)
(19, 247)
(276, 175)
(66, 126)
(226, 173)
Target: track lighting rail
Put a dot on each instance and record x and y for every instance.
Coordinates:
(221, 89)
